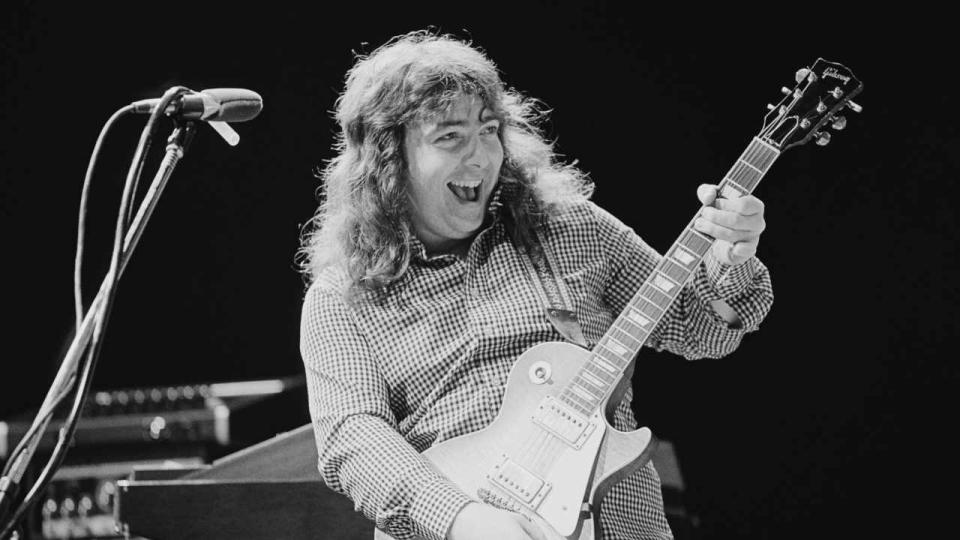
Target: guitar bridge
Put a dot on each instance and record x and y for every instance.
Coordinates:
(518, 482)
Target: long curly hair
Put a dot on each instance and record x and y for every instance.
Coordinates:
(362, 224)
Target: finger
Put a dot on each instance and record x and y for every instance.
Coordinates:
(723, 233)
(707, 193)
(745, 250)
(542, 527)
(728, 253)
(742, 251)
(531, 528)
(733, 220)
(747, 205)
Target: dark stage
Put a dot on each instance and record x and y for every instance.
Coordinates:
(831, 421)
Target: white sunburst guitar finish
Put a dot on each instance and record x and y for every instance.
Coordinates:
(551, 453)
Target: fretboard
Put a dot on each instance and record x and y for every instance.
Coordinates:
(618, 347)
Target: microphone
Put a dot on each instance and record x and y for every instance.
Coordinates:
(210, 105)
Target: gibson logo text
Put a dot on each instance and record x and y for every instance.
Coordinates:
(832, 72)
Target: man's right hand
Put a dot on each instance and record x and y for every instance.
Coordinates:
(481, 522)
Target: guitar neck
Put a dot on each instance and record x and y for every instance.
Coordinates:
(618, 347)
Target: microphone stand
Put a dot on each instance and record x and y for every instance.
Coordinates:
(177, 143)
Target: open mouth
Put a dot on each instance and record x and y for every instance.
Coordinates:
(465, 193)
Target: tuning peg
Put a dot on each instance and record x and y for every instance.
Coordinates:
(854, 107)
(801, 74)
(839, 123)
(771, 106)
(785, 91)
(823, 139)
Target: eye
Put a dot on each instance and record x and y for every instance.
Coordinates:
(491, 129)
(449, 136)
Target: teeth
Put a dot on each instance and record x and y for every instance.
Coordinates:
(467, 184)
(464, 193)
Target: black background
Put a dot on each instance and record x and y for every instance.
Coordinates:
(833, 420)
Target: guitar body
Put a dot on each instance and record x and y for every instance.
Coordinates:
(554, 476)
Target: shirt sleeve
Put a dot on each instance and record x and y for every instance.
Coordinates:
(361, 454)
(690, 327)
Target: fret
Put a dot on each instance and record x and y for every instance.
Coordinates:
(649, 310)
(755, 156)
(652, 294)
(611, 358)
(625, 339)
(663, 283)
(674, 271)
(769, 153)
(748, 164)
(584, 396)
(616, 347)
(568, 399)
(695, 242)
(599, 374)
(596, 376)
(744, 175)
(626, 327)
(683, 256)
(584, 378)
(634, 316)
(574, 401)
(598, 361)
(762, 155)
(588, 396)
(731, 189)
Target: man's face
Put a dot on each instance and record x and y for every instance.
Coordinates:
(453, 163)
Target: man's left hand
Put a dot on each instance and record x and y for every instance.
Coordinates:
(735, 223)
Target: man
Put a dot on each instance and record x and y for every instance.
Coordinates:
(419, 301)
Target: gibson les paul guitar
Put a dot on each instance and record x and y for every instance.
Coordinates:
(551, 452)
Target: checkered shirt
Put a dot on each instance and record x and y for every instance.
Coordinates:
(430, 362)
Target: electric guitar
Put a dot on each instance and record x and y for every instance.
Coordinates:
(551, 453)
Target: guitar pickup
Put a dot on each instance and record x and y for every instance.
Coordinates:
(518, 482)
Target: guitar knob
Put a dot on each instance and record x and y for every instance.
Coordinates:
(771, 106)
(785, 91)
(823, 139)
(839, 123)
(854, 107)
(539, 372)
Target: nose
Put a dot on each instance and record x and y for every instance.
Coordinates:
(477, 155)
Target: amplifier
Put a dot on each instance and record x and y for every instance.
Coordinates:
(201, 413)
(172, 428)
(80, 500)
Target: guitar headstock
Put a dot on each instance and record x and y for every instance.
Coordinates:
(821, 93)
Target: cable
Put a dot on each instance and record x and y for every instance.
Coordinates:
(66, 435)
(111, 279)
(78, 300)
(81, 219)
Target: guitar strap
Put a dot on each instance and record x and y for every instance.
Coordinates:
(541, 268)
